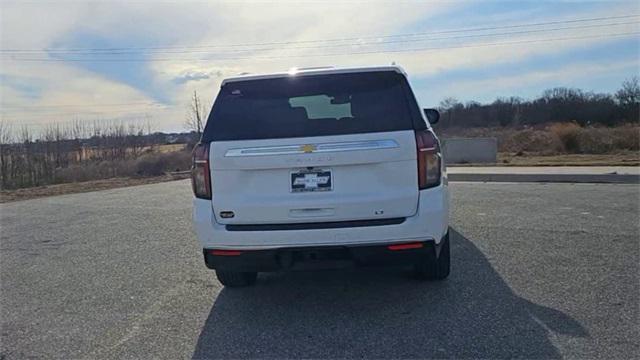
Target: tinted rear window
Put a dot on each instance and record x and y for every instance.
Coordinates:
(300, 106)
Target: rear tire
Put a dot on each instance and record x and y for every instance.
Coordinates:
(236, 278)
(436, 268)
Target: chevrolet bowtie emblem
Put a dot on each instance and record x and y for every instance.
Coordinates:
(308, 148)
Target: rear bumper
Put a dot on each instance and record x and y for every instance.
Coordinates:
(320, 257)
(430, 222)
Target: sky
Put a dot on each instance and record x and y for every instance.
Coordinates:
(105, 61)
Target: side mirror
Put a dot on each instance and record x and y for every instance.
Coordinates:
(432, 115)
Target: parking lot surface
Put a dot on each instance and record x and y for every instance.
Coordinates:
(538, 271)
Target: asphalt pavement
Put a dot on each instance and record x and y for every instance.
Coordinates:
(538, 271)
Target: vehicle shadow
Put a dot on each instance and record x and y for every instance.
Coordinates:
(379, 313)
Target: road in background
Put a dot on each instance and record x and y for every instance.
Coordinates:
(538, 270)
(559, 170)
(553, 174)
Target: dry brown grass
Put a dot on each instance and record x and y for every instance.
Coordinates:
(568, 135)
(149, 164)
(559, 138)
(170, 148)
(90, 153)
(80, 187)
(600, 140)
(150, 167)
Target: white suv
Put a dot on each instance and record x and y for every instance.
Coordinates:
(319, 168)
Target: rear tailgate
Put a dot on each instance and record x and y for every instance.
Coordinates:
(315, 179)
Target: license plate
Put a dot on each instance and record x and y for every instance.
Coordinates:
(311, 180)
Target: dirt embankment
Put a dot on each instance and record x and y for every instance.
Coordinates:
(85, 186)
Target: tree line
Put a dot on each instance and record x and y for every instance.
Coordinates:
(30, 159)
(62, 152)
(554, 105)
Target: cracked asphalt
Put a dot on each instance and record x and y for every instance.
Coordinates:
(538, 271)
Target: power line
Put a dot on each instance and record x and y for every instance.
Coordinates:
(47, 109)
(70, 111)
(517, 42)
(493, 44)
(79, 105)
(75, 115)
(124, 120)
(323, 40)
(397, 41)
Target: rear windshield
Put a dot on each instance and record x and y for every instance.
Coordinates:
(310, 106)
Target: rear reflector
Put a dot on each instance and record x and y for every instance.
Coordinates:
(225, 252)
(405, 246)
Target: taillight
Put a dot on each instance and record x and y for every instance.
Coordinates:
(200, 175)
(429, 159)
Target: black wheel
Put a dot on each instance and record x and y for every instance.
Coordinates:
(435, 267)
(236, 278)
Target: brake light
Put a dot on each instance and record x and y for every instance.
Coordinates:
(405, 246)
(200, 175)
(429, 159)
(225, 252)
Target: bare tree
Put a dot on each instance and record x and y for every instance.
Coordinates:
(79, 132)
(5, 152)
(24, 167)
(447, 106)
(195, 115)
(5, 132)
(135, 135)
(630, 92)
(629, 98)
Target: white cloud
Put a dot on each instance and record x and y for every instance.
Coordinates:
(559, 75)
(223, 23)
